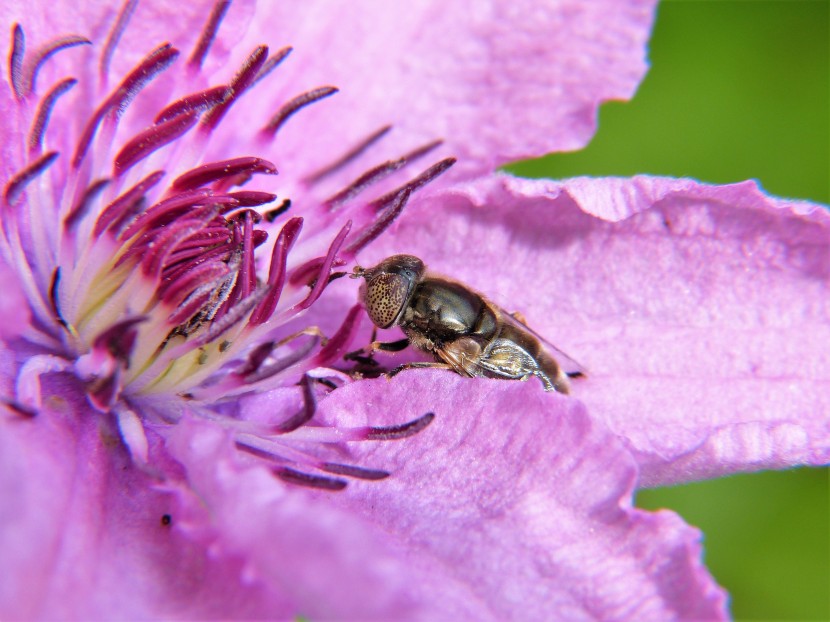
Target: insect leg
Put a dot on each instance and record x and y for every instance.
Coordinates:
(365, 354)
(418, 365)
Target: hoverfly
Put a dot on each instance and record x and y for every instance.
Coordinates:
(463, 330)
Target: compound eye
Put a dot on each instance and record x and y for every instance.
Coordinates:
(385, 297)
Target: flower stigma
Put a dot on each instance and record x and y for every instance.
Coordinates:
(138, 256)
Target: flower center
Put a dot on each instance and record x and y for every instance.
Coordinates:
(139, 260)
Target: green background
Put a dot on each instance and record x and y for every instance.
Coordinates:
(736, 90)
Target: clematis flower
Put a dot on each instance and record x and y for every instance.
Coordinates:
(178, 438)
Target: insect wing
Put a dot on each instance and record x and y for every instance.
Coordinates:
(568, 364)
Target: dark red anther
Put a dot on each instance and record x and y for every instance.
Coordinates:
(45, 53)
(349, 156)
(309, 481)
(336, 347)
(119, 209)
(176, 289)
(24, 177)
(276, 275)
(166, 210)
(252, 198)
(348, 470)
(256, 358)
(44, 111)
(54, 285)
(368, 178)
(196, 102)
(395, 432)
(84, 203)
(102, 393)
(145, 143)
(272, 214)
(240, 83)
(119, 339)
(217, 14)
(305, 415)
(416, 183)
(246, 281)
(234, 316)
(166, 240)
(378, 173)
(114, 37)
(386, 218)
(19, 408)
(322, 276)
(153, 64)
(16, 55)
(295, 105)
(209, 173)
(272, 63)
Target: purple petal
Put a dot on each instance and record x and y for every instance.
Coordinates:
(514, 498)
(498, 82)
(700, 312)
(14, 312)
(86, 535)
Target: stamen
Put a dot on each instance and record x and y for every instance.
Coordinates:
(167, 209)
(310, 481)
(378, 173)
(21, 409)
(119, 339)
(305, 415)
(293, 106)
(418, 182)
(208, 173)
(272, 63)
(16, 60)
(405, 430)
(352, 471)
(240, 83)
(44, 54)
(200, 51)
(114, 37)
(325, 269)
(80, 210)
(120, 208)
(153, 64)
(349, 156)
(252, 198)
(143, 144)
(272, 215)
(377, 227)
(53, 297)
(336, 347)
(19, 181)
(197, 102)
(44, 111)
(276, 275)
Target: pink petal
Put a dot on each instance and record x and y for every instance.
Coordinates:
(83, 531)
(700, 312)
(515, 499)
(497, 81)
(14, 312)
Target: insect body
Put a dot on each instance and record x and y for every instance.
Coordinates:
(461, 328)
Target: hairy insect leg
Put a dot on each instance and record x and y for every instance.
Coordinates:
(419, 365)
(314, 331)
(366, 354)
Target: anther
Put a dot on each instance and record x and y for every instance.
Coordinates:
(293, 106)
(400, 431)
(217, 14)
